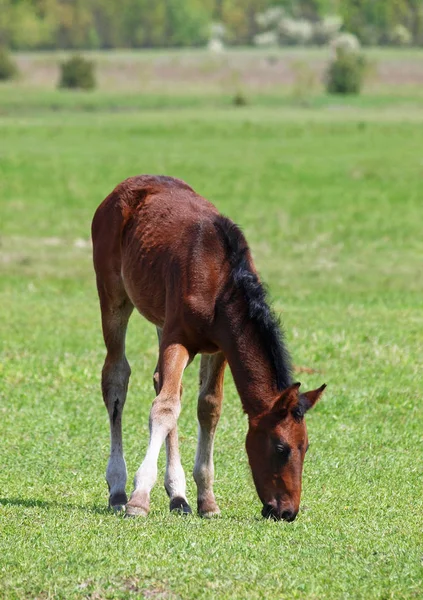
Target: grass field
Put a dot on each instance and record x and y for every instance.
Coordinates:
(329, 197)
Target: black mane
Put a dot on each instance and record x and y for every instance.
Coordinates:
(259, 312)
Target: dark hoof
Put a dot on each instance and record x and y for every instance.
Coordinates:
(180, 505)
(117, 501)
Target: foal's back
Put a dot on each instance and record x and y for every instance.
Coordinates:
(156, 241)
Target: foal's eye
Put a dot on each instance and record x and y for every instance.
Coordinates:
(283, 451)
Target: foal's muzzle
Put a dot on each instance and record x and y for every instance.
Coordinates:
(270, 511)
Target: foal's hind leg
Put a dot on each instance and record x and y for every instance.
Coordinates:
(175, 483)
(212, 370)
(115, 376)
(163, 418)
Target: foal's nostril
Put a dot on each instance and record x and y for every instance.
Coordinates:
(288, 515)
(269, 512)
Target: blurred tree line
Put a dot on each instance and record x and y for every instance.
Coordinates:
(91, 24)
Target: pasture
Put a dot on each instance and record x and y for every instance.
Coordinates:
(329, 197)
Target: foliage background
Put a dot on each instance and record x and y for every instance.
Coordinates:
(101, 24)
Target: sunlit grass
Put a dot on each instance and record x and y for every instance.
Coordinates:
(331, 205)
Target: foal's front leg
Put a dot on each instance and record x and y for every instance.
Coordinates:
(212, 371)
(163, 419)
(175, 483)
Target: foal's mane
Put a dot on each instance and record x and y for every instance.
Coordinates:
(258, 311)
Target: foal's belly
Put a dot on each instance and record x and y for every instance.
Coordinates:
(148, 294)
(147, 297)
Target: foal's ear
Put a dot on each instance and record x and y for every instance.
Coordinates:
(309, 399)
(288, 398)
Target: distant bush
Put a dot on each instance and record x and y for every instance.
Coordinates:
(304, 82)
(77, 73)
(240, 99)
(8, 68)
(346, 73)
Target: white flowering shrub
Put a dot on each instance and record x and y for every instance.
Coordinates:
(270, 18)
(401, 36)
(277, 27)
(295, 31)
(217, 34)
(217, 31)
(326, 29)
(215, 46)
(345, 43)
(267, 39)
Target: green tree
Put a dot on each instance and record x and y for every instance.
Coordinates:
(79, 24)
(373, 21)
(239, 16)
(186, 24)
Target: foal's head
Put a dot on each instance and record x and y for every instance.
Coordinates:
(276, 445)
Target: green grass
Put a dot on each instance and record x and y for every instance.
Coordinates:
(22, 101)
(330, 201)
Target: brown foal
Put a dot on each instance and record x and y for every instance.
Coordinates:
(167, 251)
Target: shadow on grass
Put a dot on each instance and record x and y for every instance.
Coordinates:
(103, 510)
(52, 504)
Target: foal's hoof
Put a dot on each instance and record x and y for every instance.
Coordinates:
(180, 505)
(210, 514)
(207, 509)
(135, 511)
(117, 501)
(138, 505)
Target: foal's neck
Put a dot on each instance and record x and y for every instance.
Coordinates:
(253, 373)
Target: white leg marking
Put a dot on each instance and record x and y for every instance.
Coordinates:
(146, 476)
(163, 419)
